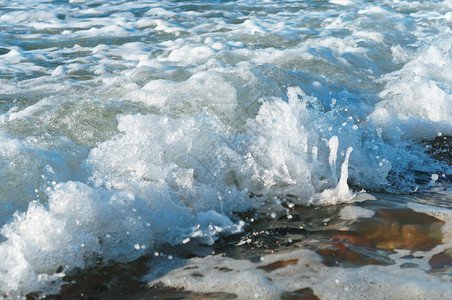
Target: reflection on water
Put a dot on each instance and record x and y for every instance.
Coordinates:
(370, 241)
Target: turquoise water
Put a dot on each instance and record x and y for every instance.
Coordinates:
(131, 126)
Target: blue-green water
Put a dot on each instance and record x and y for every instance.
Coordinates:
(128, 126)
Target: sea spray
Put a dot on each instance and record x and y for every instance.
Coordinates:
(333, 143)
(341, 193)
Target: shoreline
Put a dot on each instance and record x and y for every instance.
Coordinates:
(382, 236)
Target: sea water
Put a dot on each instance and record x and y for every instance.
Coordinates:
(128, 125)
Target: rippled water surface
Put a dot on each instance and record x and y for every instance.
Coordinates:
(132, 131)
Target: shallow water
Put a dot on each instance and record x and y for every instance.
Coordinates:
(131, 128)
(382, 232)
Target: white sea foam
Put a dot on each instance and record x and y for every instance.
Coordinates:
(247, 280)
(354, 212)
(167, 116)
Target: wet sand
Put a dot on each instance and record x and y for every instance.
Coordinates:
(344, 237)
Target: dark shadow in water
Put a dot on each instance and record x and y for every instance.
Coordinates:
(303, 294)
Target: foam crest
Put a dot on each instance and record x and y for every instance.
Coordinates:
(417, 97)
(200, 158)
(75, 229)
(33, 165)
(205, 89)
(71, 232)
